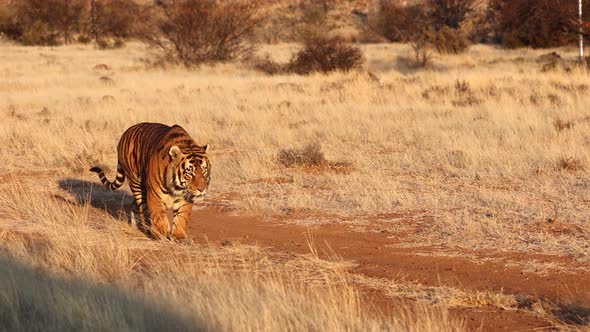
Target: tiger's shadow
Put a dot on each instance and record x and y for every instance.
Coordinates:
(116, 203)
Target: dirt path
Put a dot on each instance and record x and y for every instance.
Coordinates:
(377, 257)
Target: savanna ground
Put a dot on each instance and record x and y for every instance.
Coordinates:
(454, 198)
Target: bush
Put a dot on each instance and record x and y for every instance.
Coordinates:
(102, 44)
(449, 40)
(42, 22)
(118, 43)
(433, 24)
(536, 23)
(9, 26)
(39, 33)
(84, 39)
(54, 17)
(267, 65)
(197, 31)
(400, 23)
(106, 44)
(404, 23)
(450, 13)
(114, 18)
(310, 155)
(325, 54)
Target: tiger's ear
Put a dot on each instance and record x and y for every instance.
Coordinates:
(206, 147)
(174, 152)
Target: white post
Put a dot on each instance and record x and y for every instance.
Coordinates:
(580, 32)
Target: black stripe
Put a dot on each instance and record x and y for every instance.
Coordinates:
(176, 135)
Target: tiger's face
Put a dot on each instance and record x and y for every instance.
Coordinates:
(192, 176)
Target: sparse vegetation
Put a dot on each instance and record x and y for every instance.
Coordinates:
(325, 54)
(310, 155)
(359, 195)
(39, 22)
(434, 24)
(193, 32)
(115, 18)
(318, 54)
(535, 23)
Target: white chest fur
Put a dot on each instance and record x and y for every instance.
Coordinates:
(168, 200)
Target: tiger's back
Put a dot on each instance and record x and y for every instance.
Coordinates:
(137, 144)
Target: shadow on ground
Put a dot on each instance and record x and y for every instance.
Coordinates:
(116, 203)
(573, 315)
(38, 301)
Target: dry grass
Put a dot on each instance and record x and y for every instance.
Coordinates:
(484, 145)
(84, 270)
(487, 123)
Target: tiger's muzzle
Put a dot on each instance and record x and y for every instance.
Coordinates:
(194, 196)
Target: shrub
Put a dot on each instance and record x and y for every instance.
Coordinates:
(84, 39)
(403, 23)
(449, 40)
(118, 43)
(570, 164)
(310, 155)
(535, 23)
(43, 22)
(106, 44)
(55, 17)
(267, 65)
(321, 53)
(9, 26)
(197, 31)
(421, 46)
(39, 33)
(400, 23)
(449, 13)
(102, 44)
(115, 18)
(433, 24)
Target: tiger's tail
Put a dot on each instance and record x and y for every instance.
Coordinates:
(111, 185)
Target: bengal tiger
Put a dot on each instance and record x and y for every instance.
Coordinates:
(165, 168)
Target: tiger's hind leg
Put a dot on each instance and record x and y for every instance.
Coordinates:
(139, 211)
(135, 217)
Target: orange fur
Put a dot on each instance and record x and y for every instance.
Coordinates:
(165, 168)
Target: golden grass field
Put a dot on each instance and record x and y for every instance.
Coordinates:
(480, 157)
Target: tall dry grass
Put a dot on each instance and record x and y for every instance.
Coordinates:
(81, 269)
(486, 146)
(480, 151)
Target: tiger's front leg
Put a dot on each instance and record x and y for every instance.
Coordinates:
(159, 225)
(182, 212)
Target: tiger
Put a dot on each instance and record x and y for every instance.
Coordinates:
(164, 168)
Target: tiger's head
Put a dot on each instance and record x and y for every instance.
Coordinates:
(190, 173)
